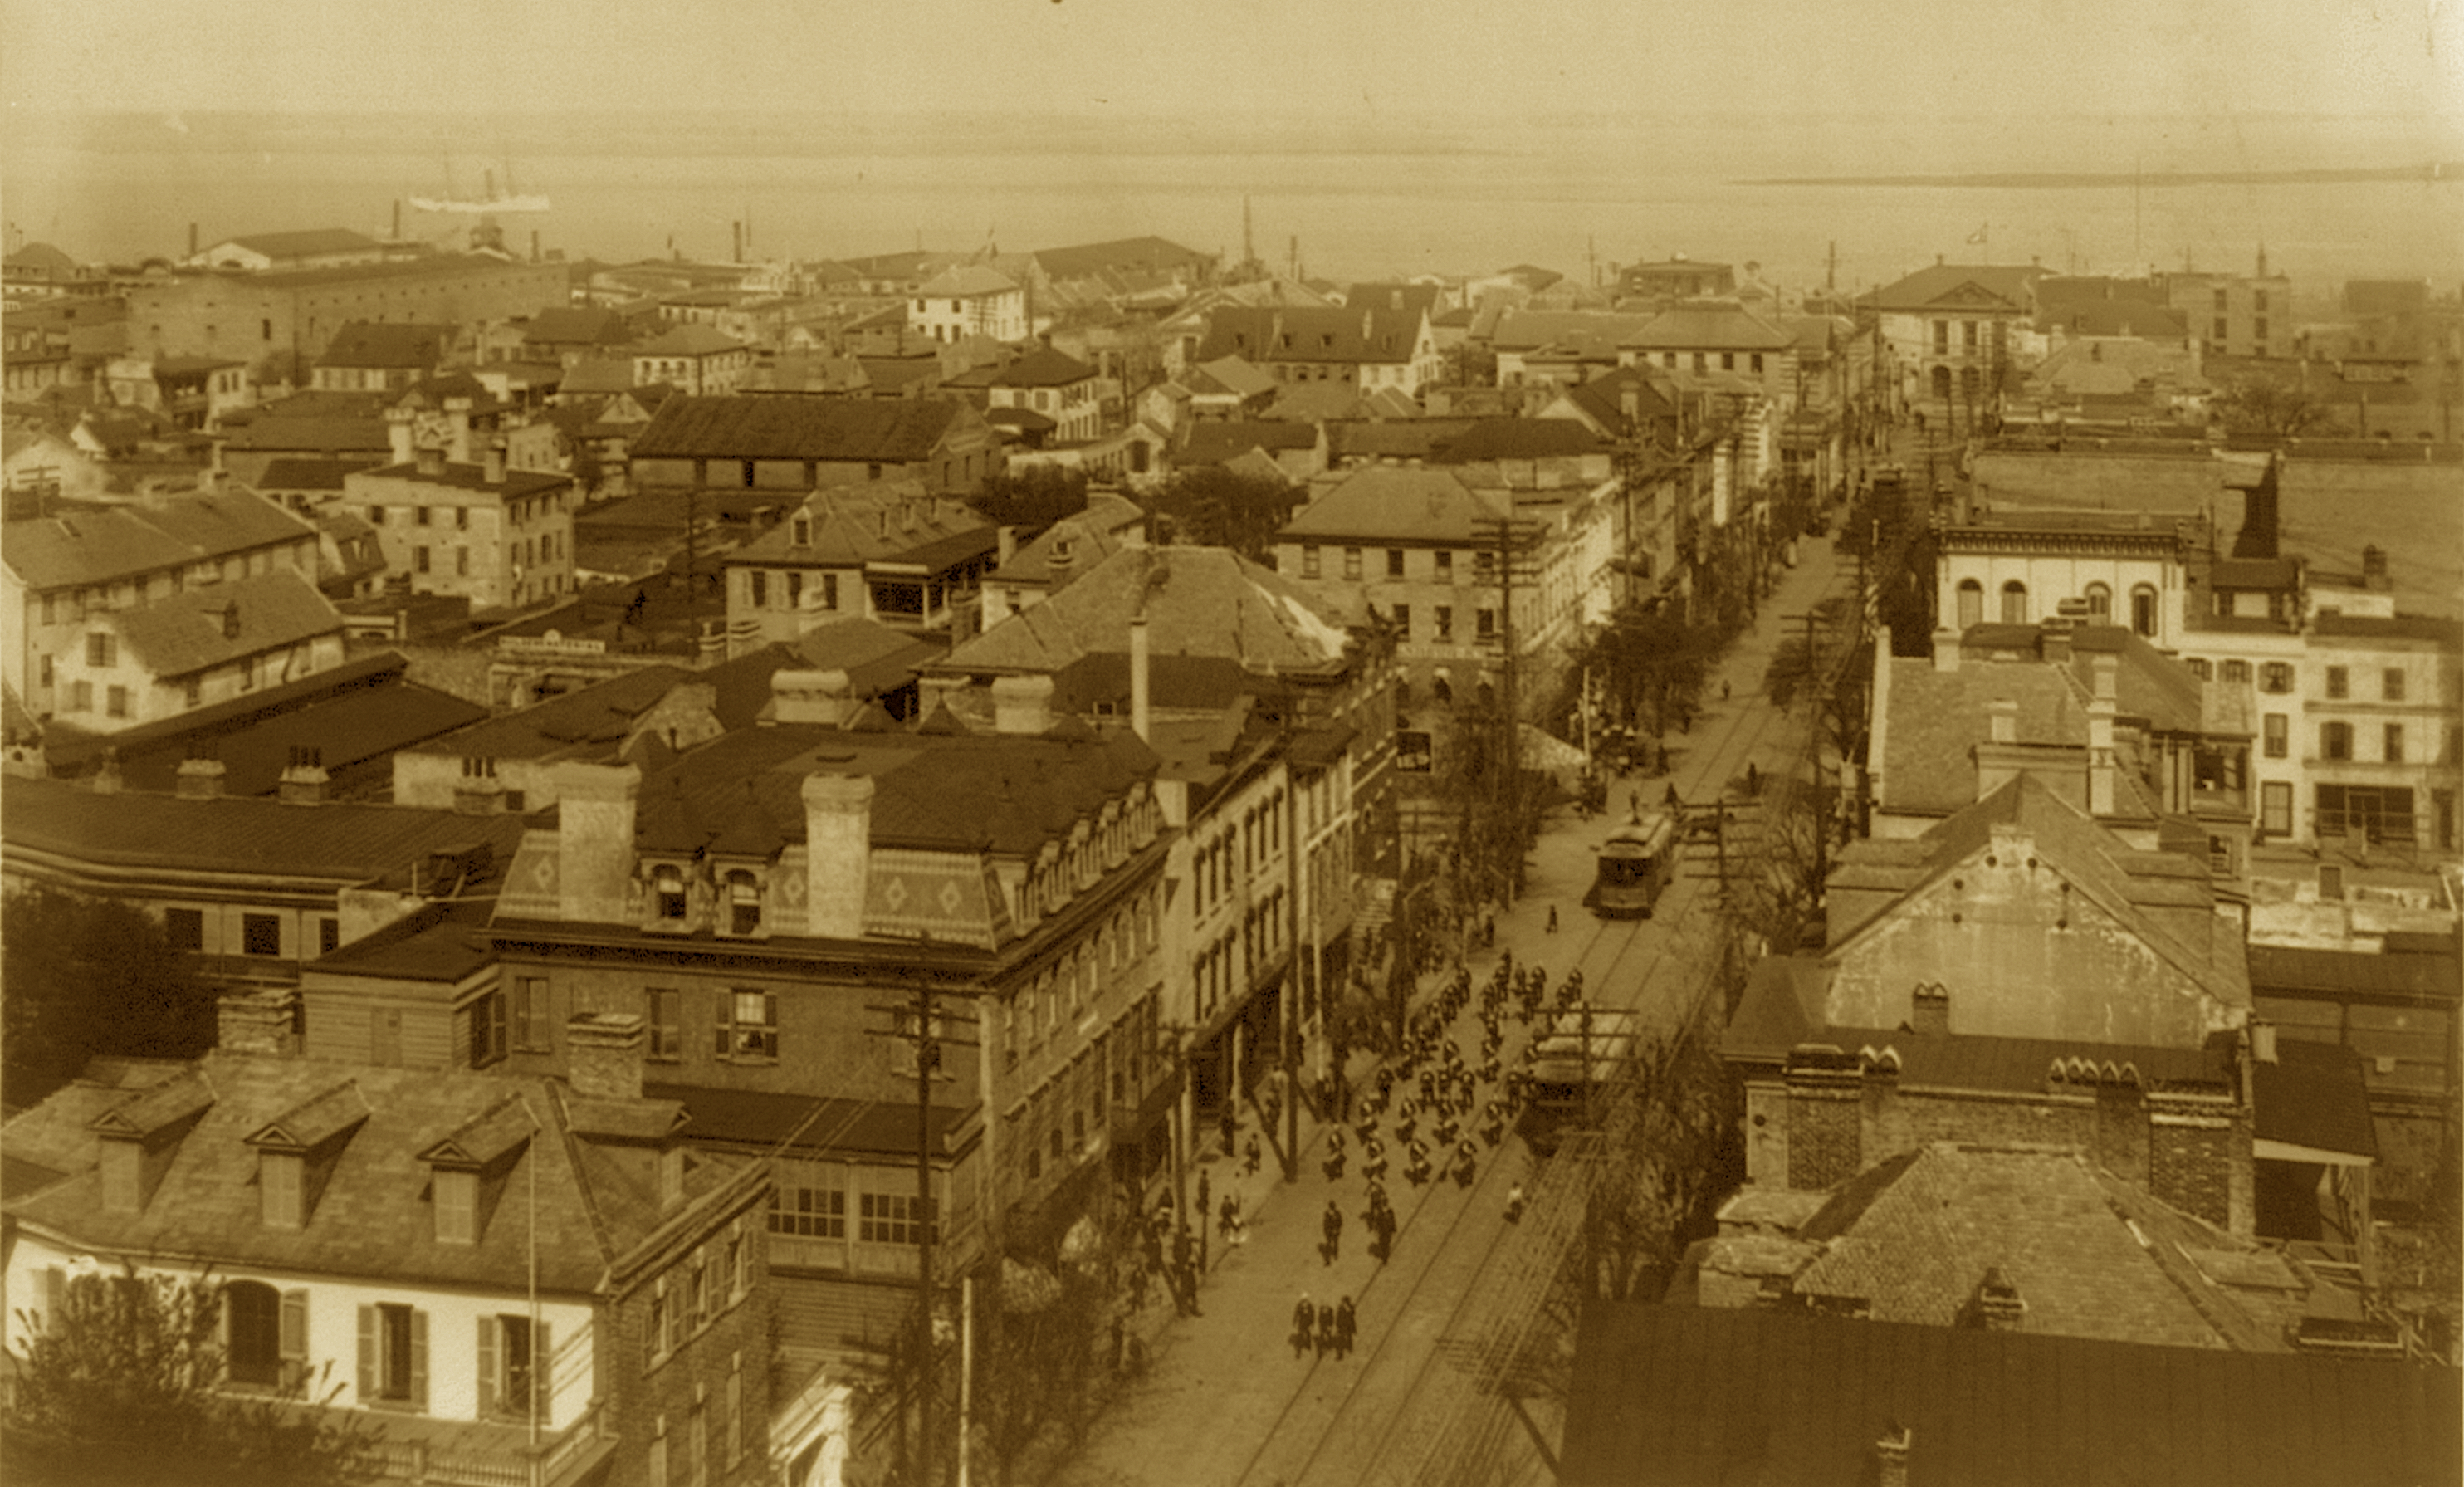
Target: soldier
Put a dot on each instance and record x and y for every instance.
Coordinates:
(1466, 1163)
(1335, 1155)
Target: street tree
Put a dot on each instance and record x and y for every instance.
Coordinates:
(83, 977)
(1215, 507)
(121, 1389)
(1033, 497)
(2270, 408)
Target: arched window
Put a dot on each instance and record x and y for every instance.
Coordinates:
(2143, 609)
(743, 903)
(1444, 691)
(1971, 603)
(668, 885)
(2014, 603)
(254, 1314)
(2100, 604)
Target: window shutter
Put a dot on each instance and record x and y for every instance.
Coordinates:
(489, 1365)
(55, 1300)
(222, 1334)
(367, 1355)
(543, 1388)
(294, 1336)
(419, 1360)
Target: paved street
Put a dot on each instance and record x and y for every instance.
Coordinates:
(1225, 1402)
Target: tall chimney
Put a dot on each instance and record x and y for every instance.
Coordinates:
(838, 854)
(2102, 782)
(594, 841)
(1023, 706)
(1141, 699)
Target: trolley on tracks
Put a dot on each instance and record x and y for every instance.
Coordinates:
(1634, 865)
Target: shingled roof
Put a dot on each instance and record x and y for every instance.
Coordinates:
(1198, 601)
(879, 431)
(1381, 501)
(369, 1216)
(88, 547)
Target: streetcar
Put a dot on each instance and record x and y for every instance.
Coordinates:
(1577, 1051)
(1635, 864)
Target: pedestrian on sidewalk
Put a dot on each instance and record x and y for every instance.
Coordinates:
(1335, 1155)
(1332, 1225)
(1552, 919)
(1724, 689)
(1325, 1330)
(1230, 1126)
(1250, 1156)
(1303, 1326)
(1347, 1326)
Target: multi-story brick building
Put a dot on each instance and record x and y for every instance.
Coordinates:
(501, 538)
(295, 313)
(2236, 313)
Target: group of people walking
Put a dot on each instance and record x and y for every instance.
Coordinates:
(1323, 1329)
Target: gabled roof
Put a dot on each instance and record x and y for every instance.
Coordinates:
(377, 345)
(603, 714)
(581, 1211)
(1213, 441)
(1330, 335)
(877, 430)
(1961, 285)
(1677, 1396)
(1718, 327)
(1044, 367)
(1089, 536)
(565, 325)
(1521, 438)
(96, 546)
(1425, 505)
(886, 522)
(306, 243)
(1198, 601)
(1229, 375)
(1122, 253)
(692, 339)
(1603, 397)
(965, 281)
(1528, 330)
(2091, 1255)
(598, 374)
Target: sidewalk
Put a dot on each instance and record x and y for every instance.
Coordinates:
(1219, 1384)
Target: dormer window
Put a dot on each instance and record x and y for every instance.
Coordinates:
(743, 903)
(668, 890)
(278, 1175)
(457, 1208)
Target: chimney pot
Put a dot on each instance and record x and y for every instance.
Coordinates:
(1929, 1009)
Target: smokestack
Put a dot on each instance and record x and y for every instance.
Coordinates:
(193, 239)
(1141, 701)
(838, 854)
(736, 242)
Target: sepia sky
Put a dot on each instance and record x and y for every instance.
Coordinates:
(1474, 59)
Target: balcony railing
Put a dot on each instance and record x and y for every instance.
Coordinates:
(562, 1458)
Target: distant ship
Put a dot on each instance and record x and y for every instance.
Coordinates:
(493, 202)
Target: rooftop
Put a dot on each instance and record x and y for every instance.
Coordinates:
(383, 347)
(96, 546)
(801, 427)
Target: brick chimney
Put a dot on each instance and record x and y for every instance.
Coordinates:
(200, 779)
(603, 1054)
(1023, 706)
(2102, 773)
(594, 849)
(1946, 649)
(304, 779)
(1998, 1305)
(838, 854)
(258, 1022)
(1929, 1009)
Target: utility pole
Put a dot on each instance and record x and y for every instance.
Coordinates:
(928, 1040)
